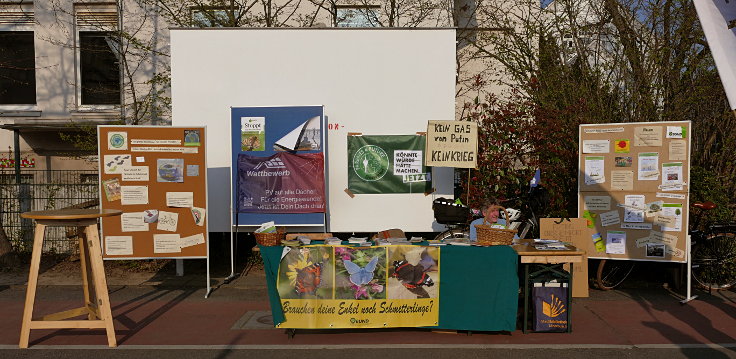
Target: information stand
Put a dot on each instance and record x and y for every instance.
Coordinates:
(158, 177)
(633, 189)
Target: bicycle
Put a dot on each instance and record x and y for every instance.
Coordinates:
(713, 252)
(455, 217)
(713, 256)
(458, 217)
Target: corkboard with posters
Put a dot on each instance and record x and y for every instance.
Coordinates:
(633, 188)
(158, 177)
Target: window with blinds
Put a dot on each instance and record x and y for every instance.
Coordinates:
(99, 53)
(17, 54)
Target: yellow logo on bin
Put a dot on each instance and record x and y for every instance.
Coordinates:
(554, 308)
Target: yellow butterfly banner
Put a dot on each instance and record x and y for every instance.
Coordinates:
(360, 287)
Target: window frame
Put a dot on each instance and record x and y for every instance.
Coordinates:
(373, 9)
(79, 28)
(194, 10)
(25, 24)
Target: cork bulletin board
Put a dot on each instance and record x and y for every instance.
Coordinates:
(633, 189)
(158, 177)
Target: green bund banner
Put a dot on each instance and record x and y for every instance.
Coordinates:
(357, 287)
(387, 164)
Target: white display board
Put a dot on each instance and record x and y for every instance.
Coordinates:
(375, 82)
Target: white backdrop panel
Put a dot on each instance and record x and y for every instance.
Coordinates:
(376, 82)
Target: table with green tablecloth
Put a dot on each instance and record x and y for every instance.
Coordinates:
(479, 287)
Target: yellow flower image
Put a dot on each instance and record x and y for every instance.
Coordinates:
(301, 263)
(306, 272)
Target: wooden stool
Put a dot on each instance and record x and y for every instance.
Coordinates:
(97, 301)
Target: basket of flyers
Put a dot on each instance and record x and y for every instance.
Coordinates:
(494, 234)
(268, 235)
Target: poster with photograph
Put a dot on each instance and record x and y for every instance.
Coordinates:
(170, 170)
(252, 133)
(376, 287)
(191, 138)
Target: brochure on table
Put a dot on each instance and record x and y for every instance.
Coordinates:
(634, 189)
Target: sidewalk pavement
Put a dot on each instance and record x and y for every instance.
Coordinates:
(166, 310)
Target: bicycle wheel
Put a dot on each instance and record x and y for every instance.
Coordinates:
(714, 261)
(455, 233)
(611, 273)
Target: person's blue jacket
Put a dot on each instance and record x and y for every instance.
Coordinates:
(473, 231)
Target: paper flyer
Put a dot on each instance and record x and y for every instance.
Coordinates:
(600, 244)
(114, 164)
(634, 207)
(133, 222)
(119, 245)
(659, 237)
(622, 180)
(648, 166)
(167, 221)
(671, 195)
(676, 132)
(180, 199)
(641, 242)
(597, 203)
(616, 242)
(596, 146)
(678, 150)
(198, 214)
(673, 210)
(117, 140)
(675, 252)
(645, 226)
(648, 136)
(253, 133)
(610, 218)
(594, 170)
(590, 218)
(622, 146)
(192, 240)
(672, 176)
(130, 195)
(112, 189)
(166, 243)
(135, 173)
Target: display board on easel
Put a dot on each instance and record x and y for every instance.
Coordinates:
(157, 176)
(278, 165)
(633, 188)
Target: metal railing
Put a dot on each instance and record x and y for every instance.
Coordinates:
(44, 190)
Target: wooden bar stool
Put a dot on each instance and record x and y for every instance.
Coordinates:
(96, 299)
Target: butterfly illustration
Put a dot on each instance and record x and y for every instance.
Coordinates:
(360, 276)
(308, 279)
(414, 277)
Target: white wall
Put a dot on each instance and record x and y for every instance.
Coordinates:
(377, 82)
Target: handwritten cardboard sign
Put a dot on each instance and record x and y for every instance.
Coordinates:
(452, 144)
(575, 231)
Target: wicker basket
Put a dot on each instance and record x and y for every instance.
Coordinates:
(271, 239)
(489, 236)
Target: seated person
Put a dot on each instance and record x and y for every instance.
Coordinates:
(489, 209)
